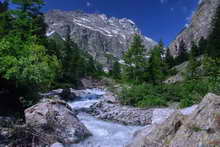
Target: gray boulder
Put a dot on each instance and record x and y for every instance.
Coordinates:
(55, 121)
(199, 129)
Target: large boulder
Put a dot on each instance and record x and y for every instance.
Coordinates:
(55, 121)
(199, 129)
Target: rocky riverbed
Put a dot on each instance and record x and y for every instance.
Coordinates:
(92, 118)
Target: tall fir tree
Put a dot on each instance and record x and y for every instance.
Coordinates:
(29, 20)
(169, 59)
(71, 60)
(193, 63)
(182, 53)
(5, 19)
(135, 60)
(202, 46)
(116, 70)
(155, 69)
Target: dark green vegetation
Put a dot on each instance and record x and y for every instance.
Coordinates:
(144, 77)
(30, 62)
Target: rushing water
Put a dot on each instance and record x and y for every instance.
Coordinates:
(105, 133)
(109, 134)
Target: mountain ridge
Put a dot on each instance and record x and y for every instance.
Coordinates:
(200, 25)
(96, 33)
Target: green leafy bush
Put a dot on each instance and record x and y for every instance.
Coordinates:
(27, 66)
(186, 93)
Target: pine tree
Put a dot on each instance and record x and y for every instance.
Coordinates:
(193, 63)
(29, 20)
(156, 74)
(116, 70)
(169, 59)
(161, 46)
(5, 19)
(71, 61)
(135, 60)
(182, 53)
(202, 48)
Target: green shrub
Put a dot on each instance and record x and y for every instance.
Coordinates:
(145, 95)
(186, 93)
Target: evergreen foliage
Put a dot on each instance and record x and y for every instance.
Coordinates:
(214, 37)
(193, 64)
(135, 60)
(25, 66)
(182, 53)
(116, 70)
(156, 66)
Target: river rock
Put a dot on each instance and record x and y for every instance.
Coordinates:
(122, 114)
(55, 121)
(67, 95)
(199, 129)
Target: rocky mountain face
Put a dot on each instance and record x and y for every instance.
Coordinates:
(200, 25)
(96, 33)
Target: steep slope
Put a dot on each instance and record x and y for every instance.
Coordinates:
(96, 33)
(200, 25)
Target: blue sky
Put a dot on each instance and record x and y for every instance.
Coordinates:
(157, 19)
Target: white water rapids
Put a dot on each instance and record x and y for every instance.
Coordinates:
(105, 133)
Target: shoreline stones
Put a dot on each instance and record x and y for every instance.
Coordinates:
(121, 114)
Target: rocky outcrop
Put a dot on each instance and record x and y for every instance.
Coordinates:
(55, 121)
(200, 25)
(98, 34)
(122, 114)
(201, 128)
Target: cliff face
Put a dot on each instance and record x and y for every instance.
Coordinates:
(96, 33)
(200, 25)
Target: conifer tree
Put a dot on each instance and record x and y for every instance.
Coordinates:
(182, 53)
(193, 63)
(202, 47)
(156, 74)
(169, 59)
(29, 20)
(135, 60)
(5, 19)
(71, 60)
(116, 70)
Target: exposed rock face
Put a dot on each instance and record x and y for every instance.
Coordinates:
(199, 129)
(55, 121)
(200, 25)
(96, 33)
